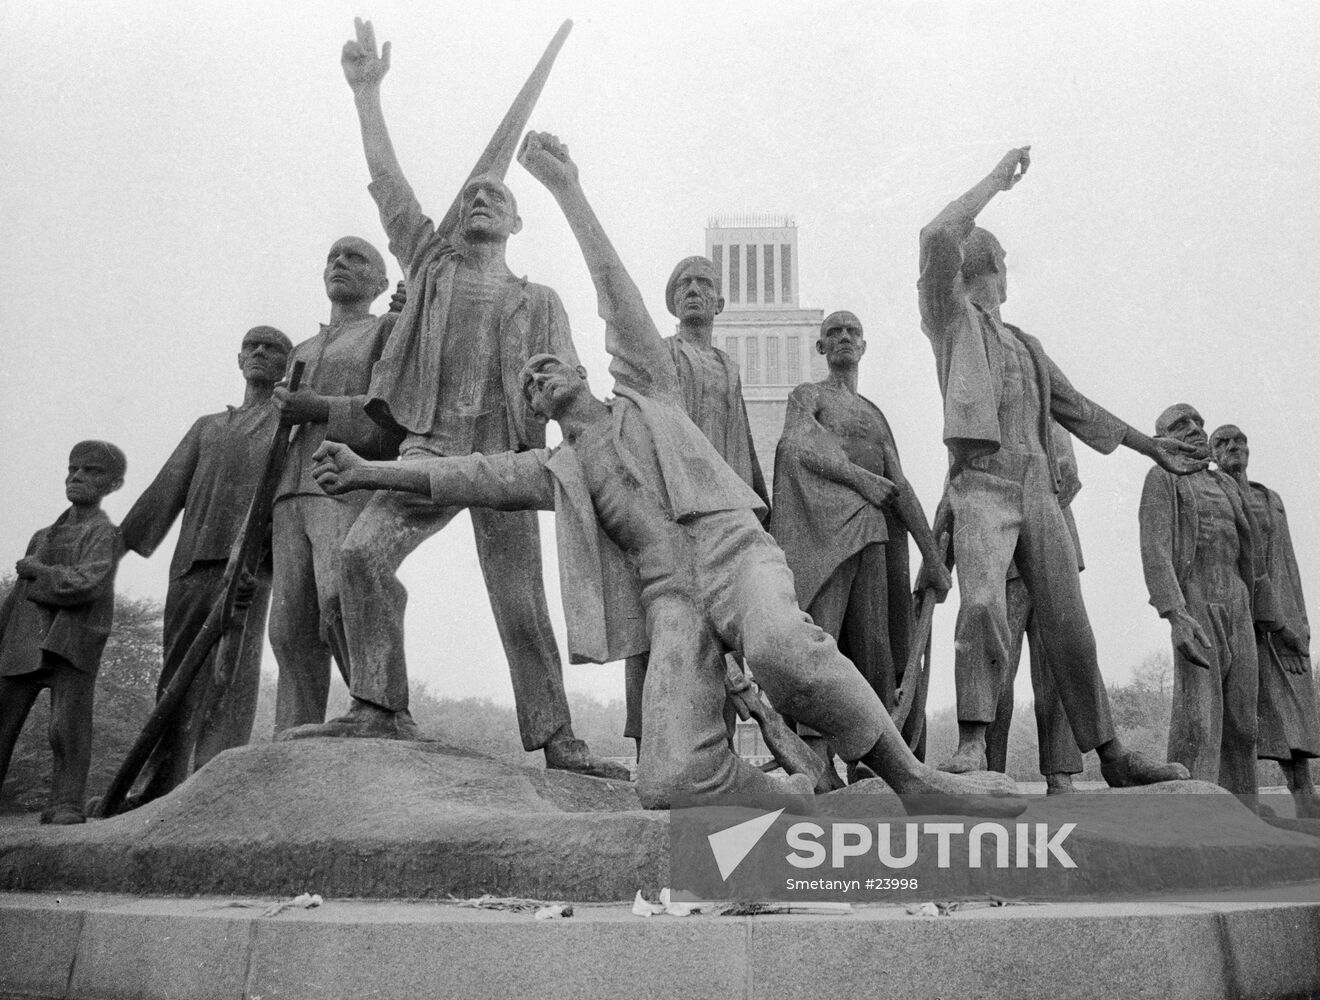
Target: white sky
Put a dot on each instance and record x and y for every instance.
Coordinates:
(174, 174)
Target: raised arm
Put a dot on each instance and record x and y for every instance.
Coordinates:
(640, 356)
(365, 69)
(409, 229)
(942, 240)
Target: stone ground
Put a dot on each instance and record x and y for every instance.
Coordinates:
(90, 947)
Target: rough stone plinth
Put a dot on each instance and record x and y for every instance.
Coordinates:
(386, 819)
(358, 818)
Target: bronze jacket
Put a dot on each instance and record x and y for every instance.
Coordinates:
(69, 610)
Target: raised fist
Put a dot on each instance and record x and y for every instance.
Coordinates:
(334, 466)
(546, 158)
(1013, 167)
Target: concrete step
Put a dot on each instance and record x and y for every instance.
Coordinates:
(97, 946)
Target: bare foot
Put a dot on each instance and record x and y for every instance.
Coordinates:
(1133, 768)
(572, 754)
(967, 758)
(64, 814)
(363, 721)
(975, 793)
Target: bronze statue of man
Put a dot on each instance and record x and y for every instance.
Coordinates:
(712, 396)
(448, 382)
(1202, 571)
(1001, 392)
(843, 512)
(1288, 719)
(661, 548)
(210, 479)
(308, 528)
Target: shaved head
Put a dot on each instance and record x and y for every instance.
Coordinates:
(1172, 415)
(840, 317)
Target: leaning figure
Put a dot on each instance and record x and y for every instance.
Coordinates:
(660, 547)
(711, 388)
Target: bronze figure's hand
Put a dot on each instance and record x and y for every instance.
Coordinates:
(245, 591)
(400, 298)
(1190, 639)
(1290, 642)
(362, 66)
(335, 467)
(547, 159)
(1178, 457)
(1013, 167)
(935, 577)
(879, 491)
(304, 406)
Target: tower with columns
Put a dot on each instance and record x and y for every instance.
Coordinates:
(763, 327)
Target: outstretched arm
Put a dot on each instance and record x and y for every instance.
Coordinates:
(640, 357)
(505, 481)
(1170, 455)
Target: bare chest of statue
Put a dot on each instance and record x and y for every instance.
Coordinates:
(858, 426)
(471, 412)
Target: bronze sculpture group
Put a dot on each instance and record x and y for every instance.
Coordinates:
(675, 558)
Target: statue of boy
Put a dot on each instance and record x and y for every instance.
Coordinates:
(55, 622)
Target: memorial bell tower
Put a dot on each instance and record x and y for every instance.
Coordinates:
(762, 327)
